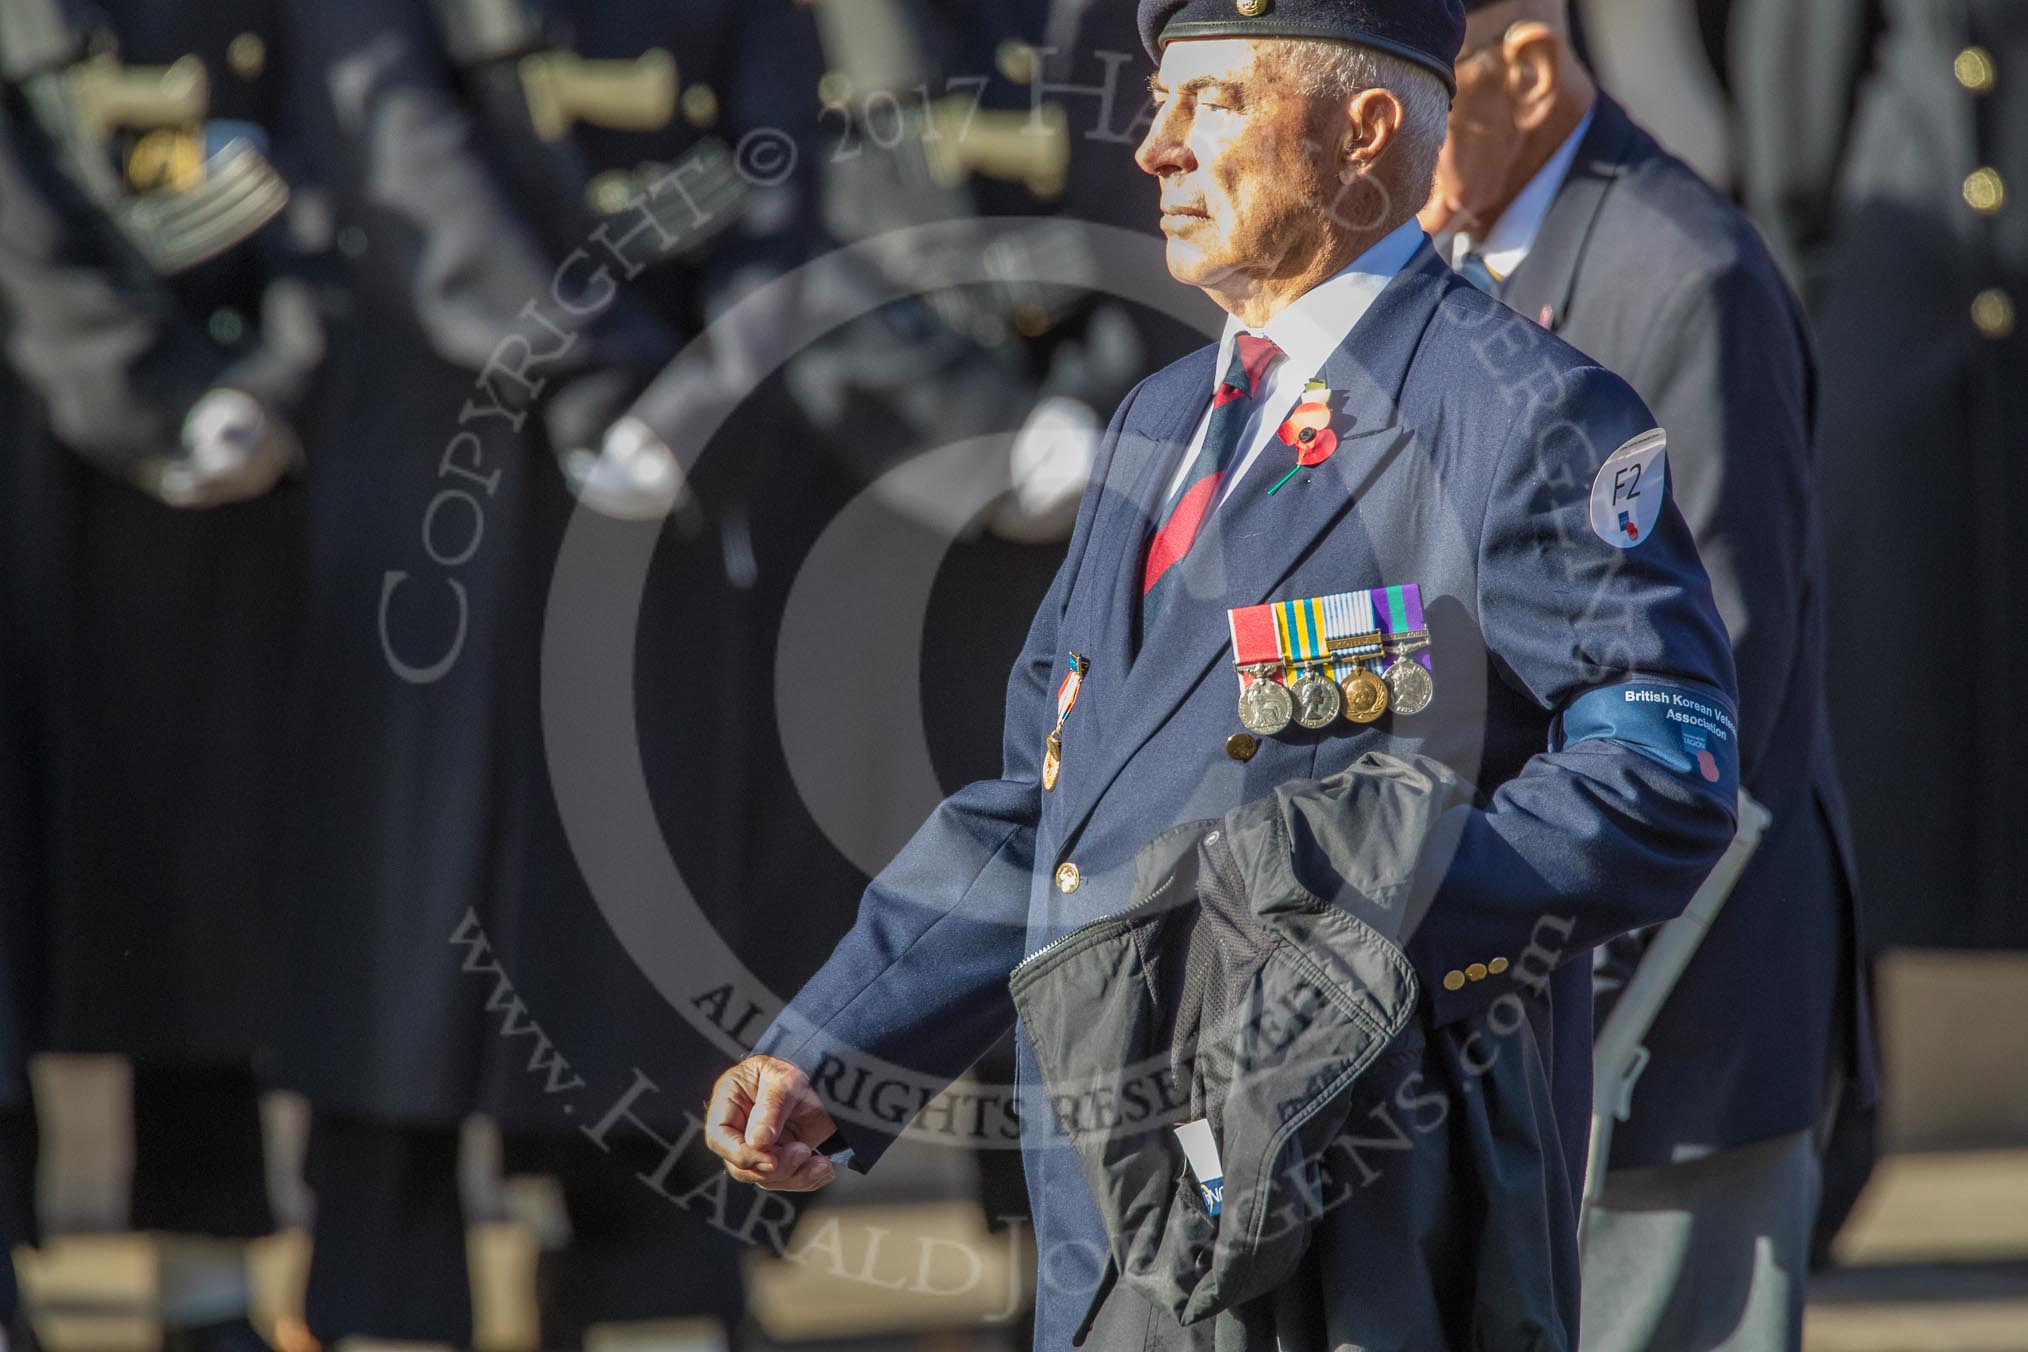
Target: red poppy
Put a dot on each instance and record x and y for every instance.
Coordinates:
(1309, 431)
(1313, 416)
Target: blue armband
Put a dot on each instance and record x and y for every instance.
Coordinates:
(1687, 728)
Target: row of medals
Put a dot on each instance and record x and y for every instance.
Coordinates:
(1268, 707)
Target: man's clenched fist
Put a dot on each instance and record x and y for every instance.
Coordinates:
(766, 1122)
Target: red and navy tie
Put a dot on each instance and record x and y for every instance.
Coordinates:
(1232, 407)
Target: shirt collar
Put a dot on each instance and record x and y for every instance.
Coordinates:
(1314, 325)
(1507, 244)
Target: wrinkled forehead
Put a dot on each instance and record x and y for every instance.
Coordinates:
(1225, 59)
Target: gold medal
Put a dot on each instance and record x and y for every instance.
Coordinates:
(1365, 696)
(1409, 686)
(1317, 700)
(1267, 707)
(1052, 761)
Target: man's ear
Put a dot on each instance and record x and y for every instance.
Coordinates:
(1374, 117)
(1533, 54)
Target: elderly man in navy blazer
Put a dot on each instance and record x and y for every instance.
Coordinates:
(1552, 199)
(1429, 495)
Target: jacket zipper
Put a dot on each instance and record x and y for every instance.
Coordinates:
(1109, 918)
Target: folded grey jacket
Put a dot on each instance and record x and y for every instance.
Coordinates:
(1233, 995)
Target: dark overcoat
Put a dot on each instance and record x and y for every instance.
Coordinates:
(456, 367)
(157, 643)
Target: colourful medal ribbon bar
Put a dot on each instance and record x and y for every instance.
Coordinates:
(1338, 631)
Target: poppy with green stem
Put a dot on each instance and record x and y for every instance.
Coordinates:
(1309, 431)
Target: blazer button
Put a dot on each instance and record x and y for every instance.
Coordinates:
(1241, 746)
(1497, 966)
(1068, 879)
(1454, 981)
(1974, 69)
(1993, 313)
(1476, 972)
(1985, 191)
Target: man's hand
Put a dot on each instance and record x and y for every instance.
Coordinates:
(765, 1122)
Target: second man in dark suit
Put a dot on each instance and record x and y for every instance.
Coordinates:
(1552, 199)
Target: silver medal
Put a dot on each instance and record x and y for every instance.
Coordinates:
(1266, 708)
(1318, 701)
(1409, 688)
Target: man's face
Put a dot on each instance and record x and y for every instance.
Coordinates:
(1482, 146)
(1245, 168)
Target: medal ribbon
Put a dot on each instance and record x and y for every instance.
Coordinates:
(1400, 612)
(1066, 696)
(1254, 643)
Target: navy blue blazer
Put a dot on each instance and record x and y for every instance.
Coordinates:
(1645, 268)
(1470, 440)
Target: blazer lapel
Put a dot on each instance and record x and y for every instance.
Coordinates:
(1542, 284)
(1151, 448)
(1255, 540)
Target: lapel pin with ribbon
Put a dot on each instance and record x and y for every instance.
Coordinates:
(1309, 431)
(1066, 700)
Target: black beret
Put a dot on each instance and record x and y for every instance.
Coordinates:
(1427, 32)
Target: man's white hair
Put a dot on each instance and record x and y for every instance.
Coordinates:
(1323, 69)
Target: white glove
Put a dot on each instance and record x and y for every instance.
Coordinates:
(1049, 464)
(633, 476)
(232, 449)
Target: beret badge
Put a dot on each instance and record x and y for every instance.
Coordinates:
(1252, 9)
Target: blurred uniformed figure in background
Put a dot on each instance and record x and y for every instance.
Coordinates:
(1885, 149)
(463, 376)
(555, 182)
(672, 97)
(162, 313)
(1550, 197)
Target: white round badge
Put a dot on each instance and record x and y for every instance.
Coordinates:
(1626, 497)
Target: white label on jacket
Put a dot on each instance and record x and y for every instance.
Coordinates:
(1201, 1149)
(1626, 497)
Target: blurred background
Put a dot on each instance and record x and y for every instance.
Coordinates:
(322, 322)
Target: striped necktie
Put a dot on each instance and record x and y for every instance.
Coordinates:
(1232, 407)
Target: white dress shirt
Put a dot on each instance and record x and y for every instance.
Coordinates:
(1308, 331)
(1513, 235)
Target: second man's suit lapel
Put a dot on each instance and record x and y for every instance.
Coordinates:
(1541, 287)
(1255, 540)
